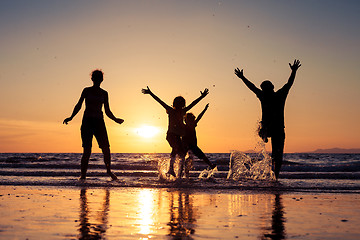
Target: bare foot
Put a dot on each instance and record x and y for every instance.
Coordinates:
(171, 172)
(113, 176)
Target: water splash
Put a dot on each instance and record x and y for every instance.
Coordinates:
(189, 164)
(207, 173)
(163, 167)
(243, 166)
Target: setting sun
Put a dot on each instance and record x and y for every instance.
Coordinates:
(147, 131)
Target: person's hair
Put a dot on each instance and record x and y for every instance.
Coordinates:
(97, 76)
(267, 85)
(189, 116)
(179, 102)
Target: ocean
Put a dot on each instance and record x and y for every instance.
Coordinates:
(302, 172)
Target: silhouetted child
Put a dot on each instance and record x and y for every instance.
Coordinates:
(176, 127)
(93, 122)
(190, 139)
(272, 107)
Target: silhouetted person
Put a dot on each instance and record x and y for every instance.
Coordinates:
(93, 122)
(277, 230)
(176, 127)
(272, 105)
(190, 139)
(96, 228)
(182, 215)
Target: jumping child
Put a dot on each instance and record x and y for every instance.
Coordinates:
(176, 127)
(190, 140)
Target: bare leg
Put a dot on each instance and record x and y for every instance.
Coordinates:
(212, 166)
(188, 164)
(172, 161)
(107, 161)
(181, 166)
(85, 162)
(200, 154)
(277, 144)
(176, 145)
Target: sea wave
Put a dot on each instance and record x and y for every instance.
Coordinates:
(336, 172)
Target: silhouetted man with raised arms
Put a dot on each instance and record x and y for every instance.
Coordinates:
(93, 122)
(272, 106)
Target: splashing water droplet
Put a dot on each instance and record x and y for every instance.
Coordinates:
(207, 173)
(243, 166)
(163, 167)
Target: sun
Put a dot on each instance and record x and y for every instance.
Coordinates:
(147, 131)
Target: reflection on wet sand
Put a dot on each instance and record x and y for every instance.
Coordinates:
(147, 213)
(182, 215)
(277, 229)
(93, 222)
(179, 214)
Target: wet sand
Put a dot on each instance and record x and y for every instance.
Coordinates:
(39, 212)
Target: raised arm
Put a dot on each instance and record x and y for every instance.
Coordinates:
(202, 113)
(294, 68)
(203, 94)
(108, 111)
(76, 108)
(148, 91)
(250, 85)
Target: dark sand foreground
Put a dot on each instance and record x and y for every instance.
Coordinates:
(38, 212)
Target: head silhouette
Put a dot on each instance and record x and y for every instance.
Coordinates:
(189, 118)
(97, 76)
(179, 102)
(267, 86)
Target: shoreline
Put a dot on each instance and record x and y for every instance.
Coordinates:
(164, 213)
(349, 186)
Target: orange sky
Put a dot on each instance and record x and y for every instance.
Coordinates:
(48, 50)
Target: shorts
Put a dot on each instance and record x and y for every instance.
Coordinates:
(94, 127)
(175, 143)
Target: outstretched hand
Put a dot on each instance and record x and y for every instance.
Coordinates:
(295, 65)
(206, 107)
(239, 73)
(67, 120)
(146, 90)
(119, 120)
(205, 92)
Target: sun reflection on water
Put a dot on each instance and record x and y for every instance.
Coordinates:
(146, 212)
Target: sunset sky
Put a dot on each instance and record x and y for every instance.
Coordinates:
(49, 48)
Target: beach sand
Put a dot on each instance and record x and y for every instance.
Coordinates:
(39, 212)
